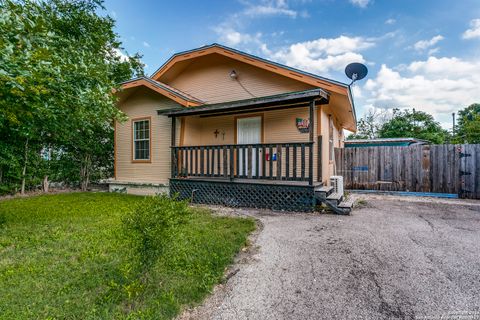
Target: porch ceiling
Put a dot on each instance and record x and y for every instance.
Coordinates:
(285, 100)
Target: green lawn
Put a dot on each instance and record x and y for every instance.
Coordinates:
(65, 257)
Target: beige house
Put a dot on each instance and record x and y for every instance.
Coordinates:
(222, 126)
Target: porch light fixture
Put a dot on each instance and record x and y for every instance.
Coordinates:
(233, 74)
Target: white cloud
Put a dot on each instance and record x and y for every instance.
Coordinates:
(426, 44)
(390, 21)
(322, 55)
(232, 37)
(360, 3)
(432, 51)
(123, 57)
(146, 44)
(230, 31)
(357, 92)
(474, 31)
(269, 8)
(436, 85)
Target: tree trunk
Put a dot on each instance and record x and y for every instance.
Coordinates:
(45, 184)
(85, 172)
(24, 170)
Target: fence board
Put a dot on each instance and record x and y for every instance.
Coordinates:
(425, 168)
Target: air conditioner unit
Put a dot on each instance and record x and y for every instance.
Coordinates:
(337, 183)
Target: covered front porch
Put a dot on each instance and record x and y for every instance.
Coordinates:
(262, 152)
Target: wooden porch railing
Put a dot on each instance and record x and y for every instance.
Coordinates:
(271, 161)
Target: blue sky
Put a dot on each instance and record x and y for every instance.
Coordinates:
(420, 53)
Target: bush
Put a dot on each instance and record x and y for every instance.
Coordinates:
(152, 224)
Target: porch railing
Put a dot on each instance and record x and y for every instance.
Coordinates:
(271, 161)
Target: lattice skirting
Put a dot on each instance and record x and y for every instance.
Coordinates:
(253, 195)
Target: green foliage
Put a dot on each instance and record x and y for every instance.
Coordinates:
(3, 219)
(413, 124)
(152, 224)
(59, 65)
(369, 125)
(65, 257)
(365, 130)
(468, 128)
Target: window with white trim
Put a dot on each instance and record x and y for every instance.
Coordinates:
(141, 139)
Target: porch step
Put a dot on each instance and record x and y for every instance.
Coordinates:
(332, 204)
(324, 189)
(321, 193)
(346, 205)
(332, 200)
(335, 197)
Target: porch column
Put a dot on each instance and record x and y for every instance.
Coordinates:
(310, 150)
(173, 150)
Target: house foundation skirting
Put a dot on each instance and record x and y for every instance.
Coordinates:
(285, 197)
(137, 188)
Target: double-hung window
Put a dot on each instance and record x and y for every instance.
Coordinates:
(141, 140)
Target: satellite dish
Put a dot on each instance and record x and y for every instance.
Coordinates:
(356, 71)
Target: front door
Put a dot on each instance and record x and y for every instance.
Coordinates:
(249, 131)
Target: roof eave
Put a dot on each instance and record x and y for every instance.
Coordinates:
(183, 100)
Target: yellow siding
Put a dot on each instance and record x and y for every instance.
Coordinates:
(279, 127)
(144, 103)
(328, 167)
(208, 79)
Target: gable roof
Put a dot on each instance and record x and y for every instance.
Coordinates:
(178, 62)
(178, 96)
(299, 75)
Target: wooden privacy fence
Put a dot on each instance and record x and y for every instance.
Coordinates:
(420, 168)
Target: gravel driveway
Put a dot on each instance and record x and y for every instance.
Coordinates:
(393, 258)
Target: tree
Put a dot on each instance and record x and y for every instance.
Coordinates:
(468, 128)
(59, 65)
(369, 124)
(413, 124)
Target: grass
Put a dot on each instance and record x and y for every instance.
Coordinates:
(65, 256)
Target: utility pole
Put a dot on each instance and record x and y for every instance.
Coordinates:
(453, 128)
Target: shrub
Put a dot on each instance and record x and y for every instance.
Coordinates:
(152, 224)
